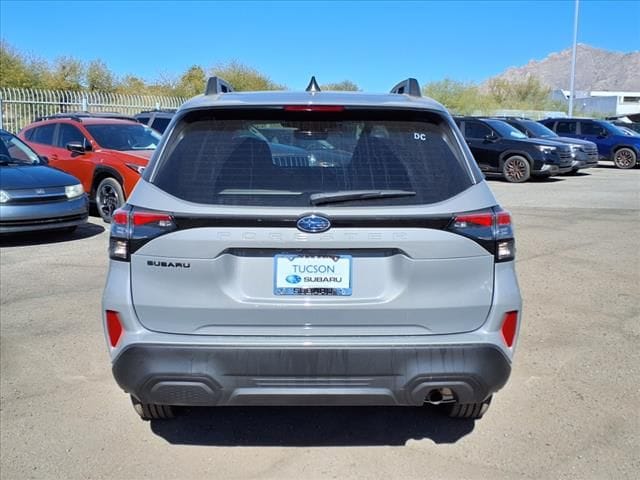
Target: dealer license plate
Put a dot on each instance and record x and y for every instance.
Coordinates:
(312, 275)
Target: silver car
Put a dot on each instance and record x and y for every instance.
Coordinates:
(33, 196)
(387, 279)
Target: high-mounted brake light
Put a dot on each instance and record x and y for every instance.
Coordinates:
(490, 228)
(131, 228)
(314, 108)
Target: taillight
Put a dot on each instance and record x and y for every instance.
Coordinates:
(131, 228)
(509, 327)
(114, 327)
(490, 228)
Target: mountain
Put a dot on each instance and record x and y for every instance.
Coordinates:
(596, 69)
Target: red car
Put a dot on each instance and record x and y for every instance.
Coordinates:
(107, 153)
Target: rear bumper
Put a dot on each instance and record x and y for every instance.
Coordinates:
(381, 375)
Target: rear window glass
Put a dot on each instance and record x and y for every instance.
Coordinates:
(292, 158)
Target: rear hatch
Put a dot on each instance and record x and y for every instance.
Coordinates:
(227, 240)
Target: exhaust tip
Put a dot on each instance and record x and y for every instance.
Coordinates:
(434, 397)
(440, 395)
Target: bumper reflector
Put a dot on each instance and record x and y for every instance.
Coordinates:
(509, 327)
(114, 327)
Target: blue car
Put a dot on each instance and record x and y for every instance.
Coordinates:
(34, 196)
(613, 144)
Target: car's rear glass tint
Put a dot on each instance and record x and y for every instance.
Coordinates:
(271, 157)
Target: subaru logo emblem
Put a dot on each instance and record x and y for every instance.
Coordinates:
(293, 279)
(313, 224)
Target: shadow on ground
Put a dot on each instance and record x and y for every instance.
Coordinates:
(310, 426)
(499, 178)
(612, 166)
(87, 230)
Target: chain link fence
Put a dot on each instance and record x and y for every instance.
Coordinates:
(21, 106)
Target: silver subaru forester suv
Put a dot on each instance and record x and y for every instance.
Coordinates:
(311, 248)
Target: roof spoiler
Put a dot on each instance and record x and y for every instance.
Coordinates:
(216, 85)
(410, 86)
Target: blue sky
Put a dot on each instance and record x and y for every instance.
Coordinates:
(374, 44)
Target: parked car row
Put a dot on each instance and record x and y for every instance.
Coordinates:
(107, 152)
(519, 148)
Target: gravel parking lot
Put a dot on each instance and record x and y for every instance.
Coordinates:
(570, 409)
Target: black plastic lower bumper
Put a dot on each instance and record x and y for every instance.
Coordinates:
(197, 375)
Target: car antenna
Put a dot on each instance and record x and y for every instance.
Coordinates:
(313, 86)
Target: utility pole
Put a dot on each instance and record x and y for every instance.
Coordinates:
(573, 59)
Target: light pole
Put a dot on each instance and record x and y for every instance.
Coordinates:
(573, 59)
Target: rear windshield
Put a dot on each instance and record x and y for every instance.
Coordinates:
(278, 158)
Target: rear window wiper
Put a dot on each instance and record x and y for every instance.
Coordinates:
(346, 195)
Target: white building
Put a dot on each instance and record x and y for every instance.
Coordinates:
(601, 101)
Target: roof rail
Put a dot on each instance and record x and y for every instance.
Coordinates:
(78, 116)
(216, 85)
(410, 86)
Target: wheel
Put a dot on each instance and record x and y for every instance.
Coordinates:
(151, 411)
(625, 158)
(468, 410)
(516, 169)
(109, 197)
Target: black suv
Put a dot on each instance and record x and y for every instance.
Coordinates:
(156, 119)
(585, 153)
(500, 148)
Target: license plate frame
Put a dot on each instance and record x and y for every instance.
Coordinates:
(283, 286)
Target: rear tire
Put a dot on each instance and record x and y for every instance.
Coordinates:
(471, 411)
(516, 169)
(625, 158)
(151, 411)
(109, 197)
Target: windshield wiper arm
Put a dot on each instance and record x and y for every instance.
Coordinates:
(346, 195)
